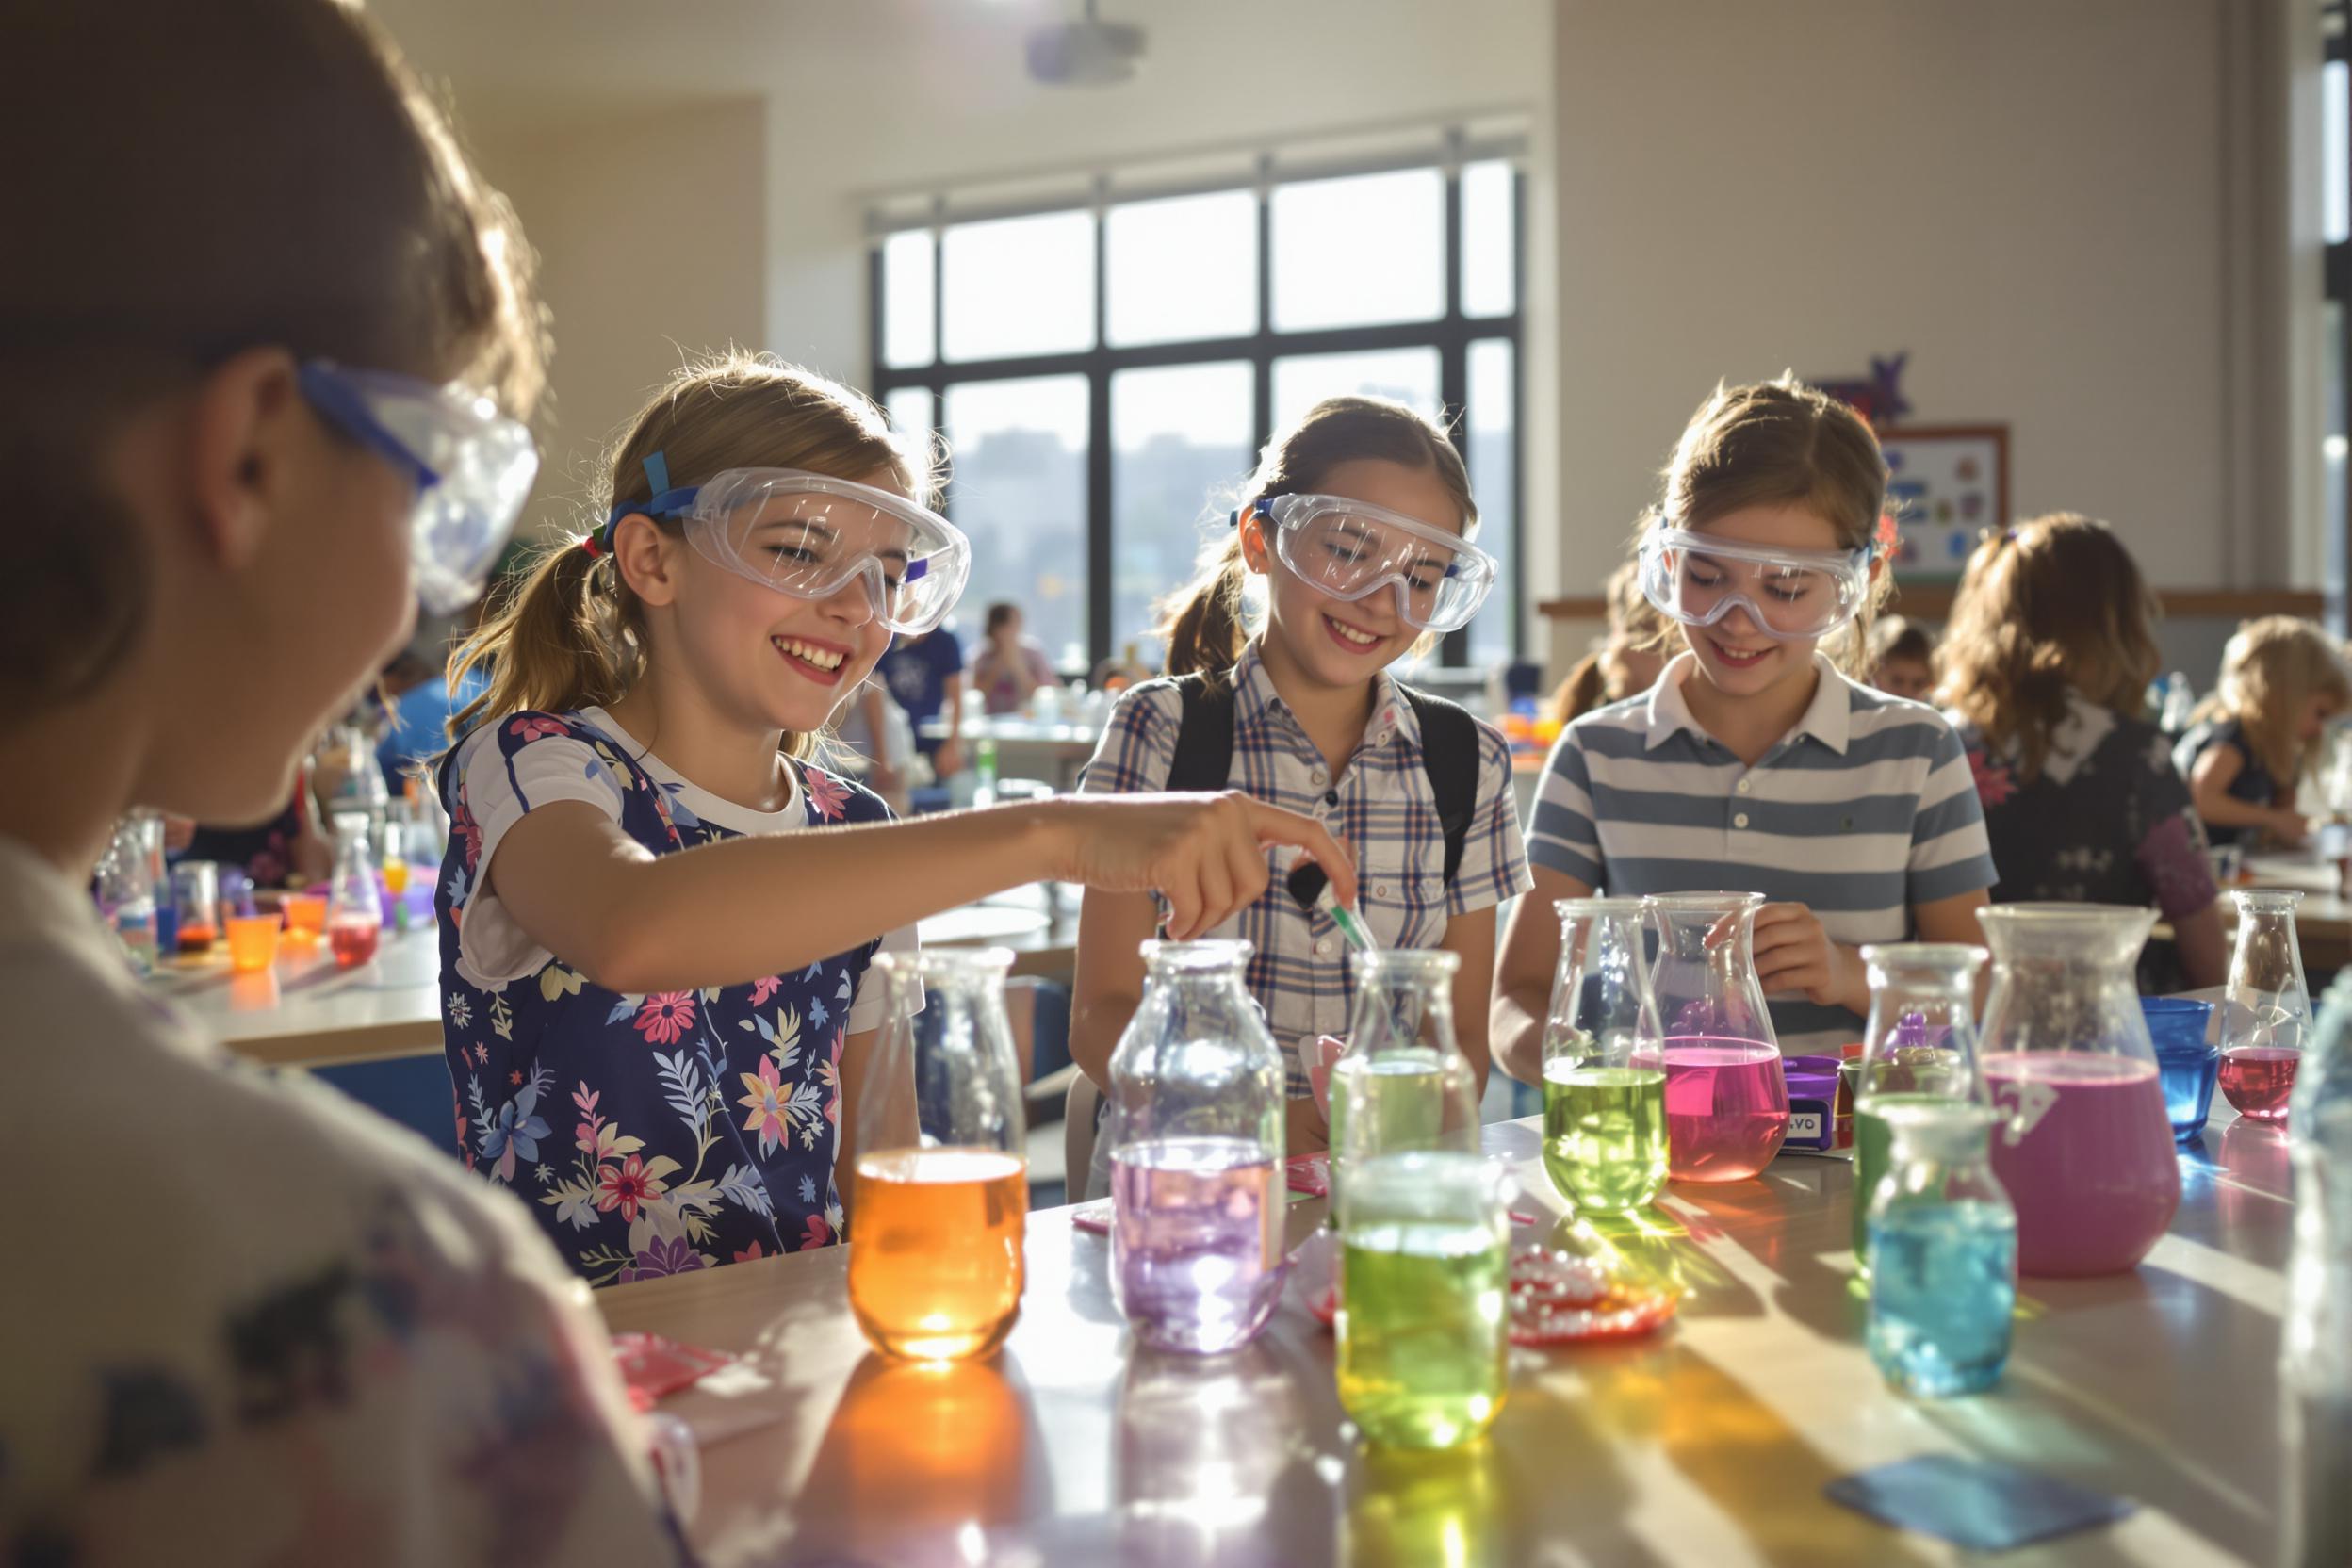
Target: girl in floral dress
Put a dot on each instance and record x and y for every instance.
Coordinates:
(652, 969)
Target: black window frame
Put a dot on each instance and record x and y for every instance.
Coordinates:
(1452, 334)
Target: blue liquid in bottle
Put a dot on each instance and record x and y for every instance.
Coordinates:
(1943, 1288)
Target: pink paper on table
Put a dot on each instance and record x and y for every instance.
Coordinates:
(655, 1365)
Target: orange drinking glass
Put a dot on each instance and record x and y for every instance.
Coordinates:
(939, 1201)
(253, 942)
(305, 916)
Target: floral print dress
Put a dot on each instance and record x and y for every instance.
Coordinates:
(649, 1134)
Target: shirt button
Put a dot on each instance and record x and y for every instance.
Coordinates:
(1745, 785)
(1379, 890)
(1331, 797)
(1321, 777)
(1740, 821)
(1323, 948)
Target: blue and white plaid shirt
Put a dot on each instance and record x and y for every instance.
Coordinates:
(1381, 806)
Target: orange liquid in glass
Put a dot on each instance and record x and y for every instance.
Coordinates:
(934, 1264)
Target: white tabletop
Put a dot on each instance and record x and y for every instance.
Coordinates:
(305, 1012)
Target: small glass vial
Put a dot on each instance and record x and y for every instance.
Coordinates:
(1943, 1253)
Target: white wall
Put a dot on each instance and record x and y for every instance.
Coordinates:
(651, 231)
(2025, 194)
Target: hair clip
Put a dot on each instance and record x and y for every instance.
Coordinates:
(592, 546)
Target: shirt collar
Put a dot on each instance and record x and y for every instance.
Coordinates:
(1257, 703)
(1828, 718)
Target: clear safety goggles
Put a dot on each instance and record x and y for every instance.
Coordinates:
(1349, 550)
(472, 468)
(1790, 594)
(810, 535)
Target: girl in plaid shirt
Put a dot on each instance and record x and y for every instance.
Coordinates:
(1351, 549)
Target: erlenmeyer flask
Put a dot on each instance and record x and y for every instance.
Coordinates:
(2266, 1009)
(1919, 1048)
(1604, 1075)
(2084, 1146)
(1726, 1102)
(940, 1202)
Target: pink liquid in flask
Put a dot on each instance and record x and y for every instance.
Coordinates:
(1726, 1108)
(2085, 1149)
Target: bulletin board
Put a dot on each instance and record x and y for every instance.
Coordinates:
(1943, 484)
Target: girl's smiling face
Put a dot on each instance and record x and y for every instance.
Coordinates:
(769, 659)
(1737, 655)
(1342, 641)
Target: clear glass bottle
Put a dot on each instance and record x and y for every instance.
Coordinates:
(1604, 1075)
(2265, 1008)
(2085, 1144)
(1195, 1130)
(1727, 1100)
(1402, 1082)
(1918, 1047)
(1423, 1323)
(940, 1199)
(354, 900)
(1943, 1253)
(2315, 1362)
(126, 894)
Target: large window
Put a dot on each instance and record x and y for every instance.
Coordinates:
(1104, 374)
(2335, 163)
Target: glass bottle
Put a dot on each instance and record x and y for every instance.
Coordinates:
(126, 894)
(1604, 1076)
(2315, 1362)
(1423, 1322)
(940, 1199)
(1943, 1245)
(2265, 1008)
(1917, 1047)
(1195, 1130)
(354, 907)
(2086, 1145)
(1402, 1082)
(1726, 1101)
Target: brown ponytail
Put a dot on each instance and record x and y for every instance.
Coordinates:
(1206, 625)
(574, 635)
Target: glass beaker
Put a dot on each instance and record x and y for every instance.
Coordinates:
(1604, 1073)
(2084, 1147)
(2265, 1008)
(1195, 1130)
(354, 907)
(1917, 1047)
(2186, 1060)
(1943, 1251)
(1726, 1101)
(939, 1202)
(1423, 1322)
(196, 894)
(1402, 1083)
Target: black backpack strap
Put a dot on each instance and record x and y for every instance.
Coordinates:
(1449, 755)
(1204, 741)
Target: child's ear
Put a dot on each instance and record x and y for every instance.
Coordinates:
(247, 436)
(646, 556)
(1253, 543)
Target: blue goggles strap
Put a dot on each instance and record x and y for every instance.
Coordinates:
(666, 502)
(347, 407)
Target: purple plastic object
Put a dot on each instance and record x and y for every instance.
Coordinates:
(1812, 1102)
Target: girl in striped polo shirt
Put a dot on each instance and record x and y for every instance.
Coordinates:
(1755, 764)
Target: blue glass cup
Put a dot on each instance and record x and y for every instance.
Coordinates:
(2187, 1061)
